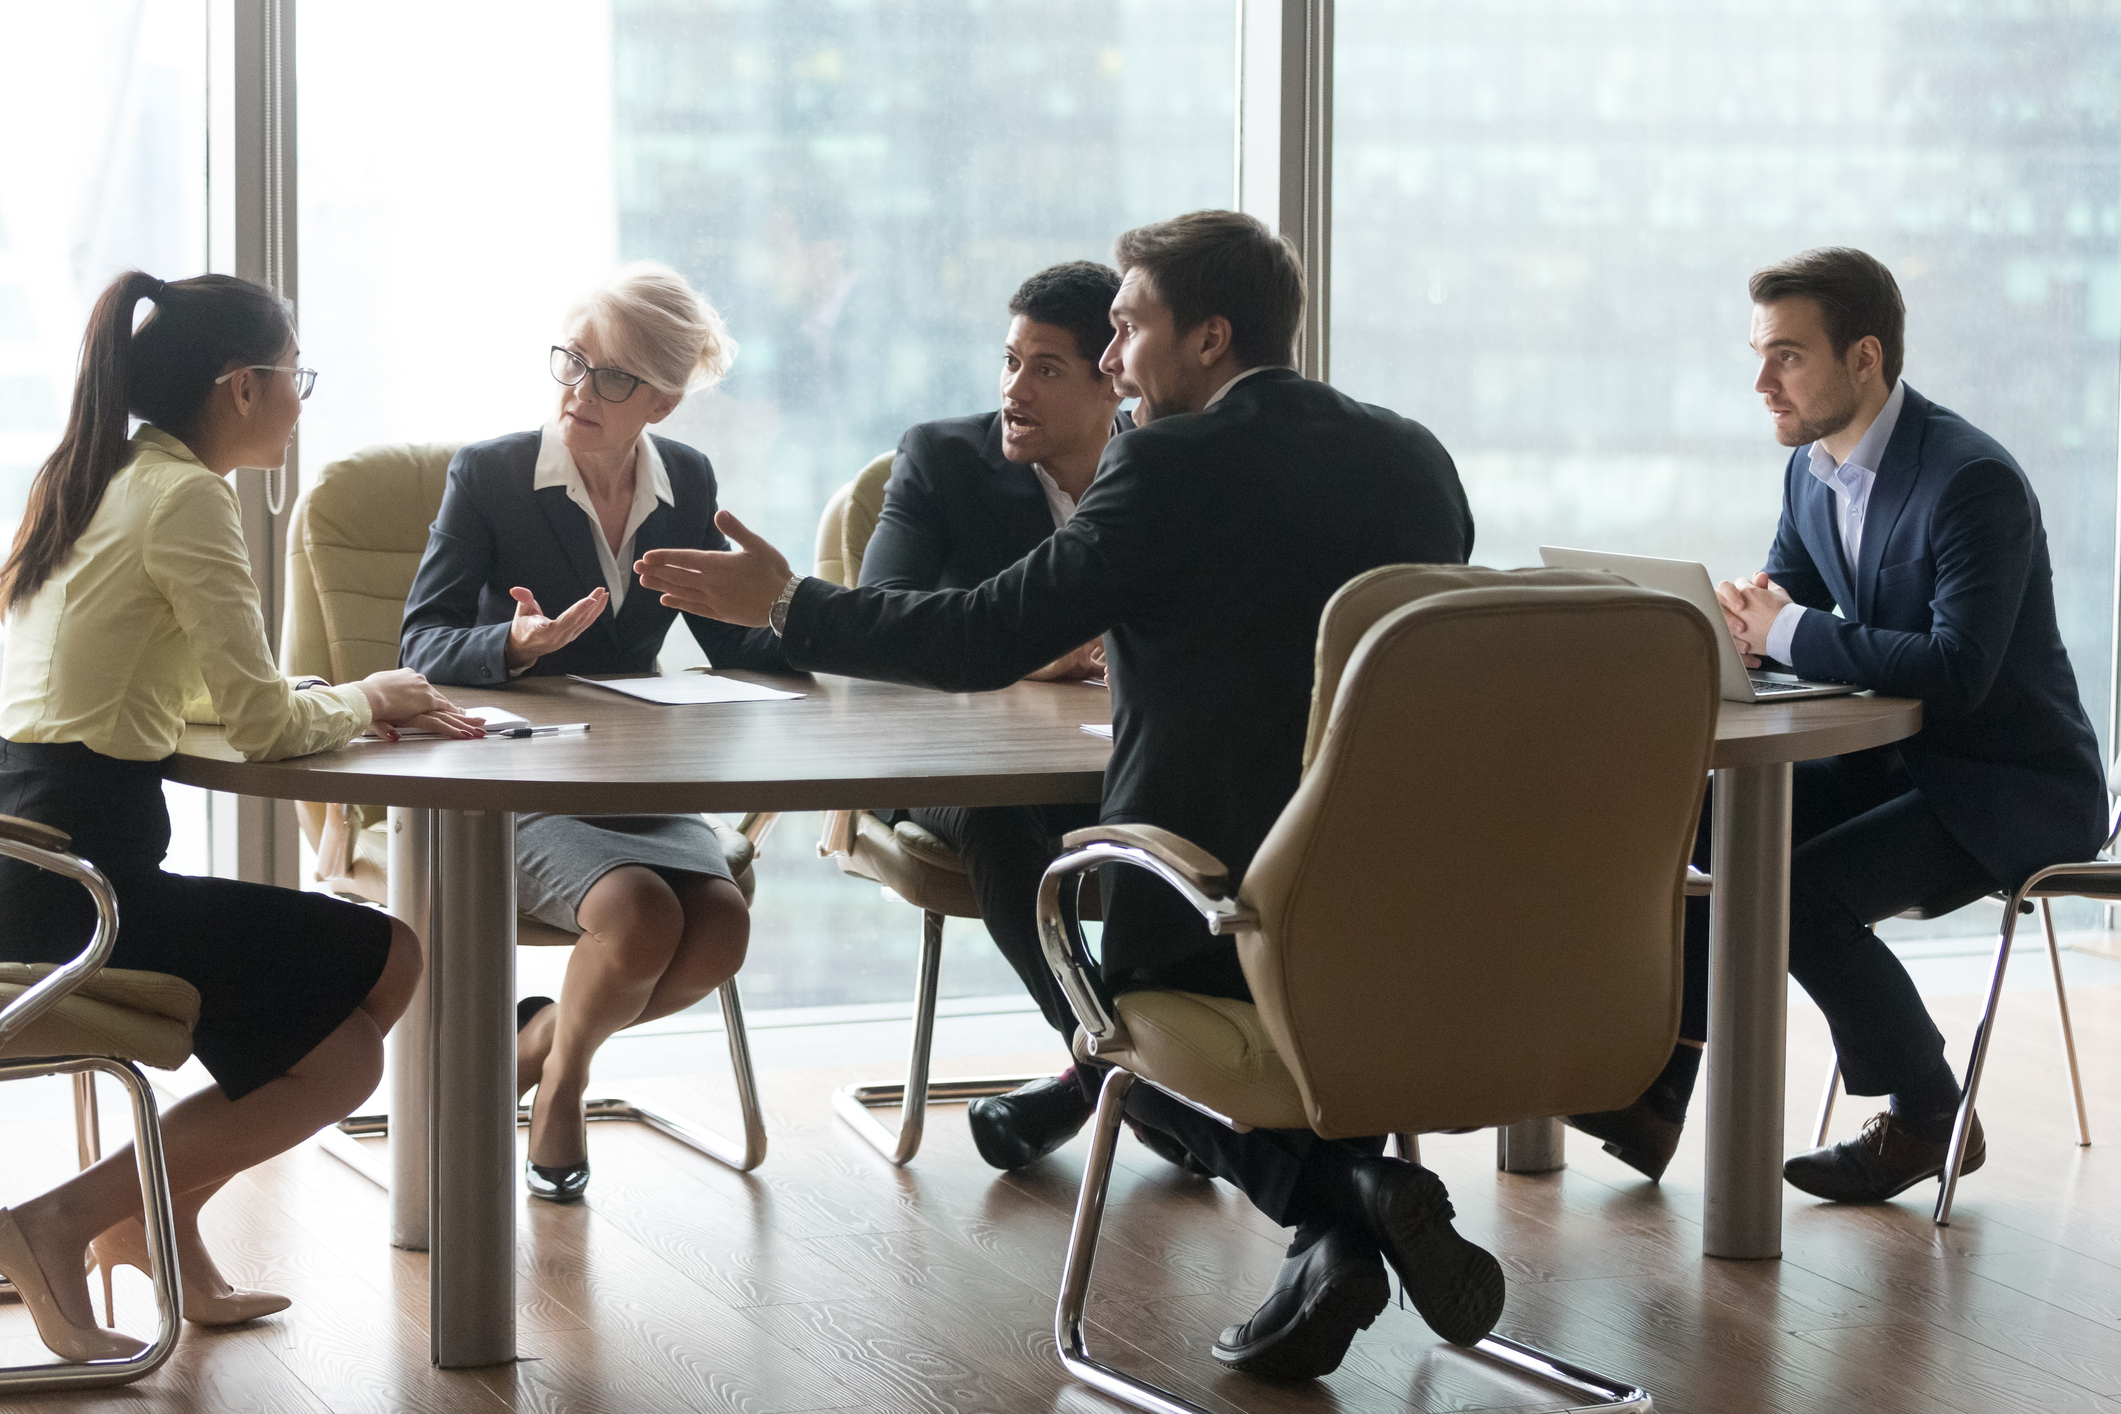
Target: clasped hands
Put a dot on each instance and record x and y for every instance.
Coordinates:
(1750, 608)
(739, 586)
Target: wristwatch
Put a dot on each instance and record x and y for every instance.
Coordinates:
(778, 615)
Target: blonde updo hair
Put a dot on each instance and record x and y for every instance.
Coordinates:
(656, 326)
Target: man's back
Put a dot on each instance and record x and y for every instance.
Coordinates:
(1205, 551)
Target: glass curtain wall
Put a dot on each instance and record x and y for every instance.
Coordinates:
(1547, 210)
(104, 170)
(858, 186)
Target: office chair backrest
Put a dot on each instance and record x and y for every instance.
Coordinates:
(849, 520)
(354, 546)
(1368, 597)
(1469, 913)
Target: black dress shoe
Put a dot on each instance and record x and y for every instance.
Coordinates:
(1322, 1296)
(1639, 1136)
(1456, 1285)
(1885, 1159)
(528, 1008)
(557, 1185)
(1030, 1121)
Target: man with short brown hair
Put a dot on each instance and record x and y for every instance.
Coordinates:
(1911, 559)
(1204, 553)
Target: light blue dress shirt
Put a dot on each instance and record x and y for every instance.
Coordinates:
(1851, 484)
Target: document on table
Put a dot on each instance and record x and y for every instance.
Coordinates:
(1103, 729)
(496, 719)
(690, 689)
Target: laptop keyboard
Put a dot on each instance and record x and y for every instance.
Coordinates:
(1768, 687)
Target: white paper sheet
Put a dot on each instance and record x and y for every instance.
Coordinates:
(495, 718)
(1103, 729)
(690, 689)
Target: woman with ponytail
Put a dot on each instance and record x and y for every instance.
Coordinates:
(131, 610)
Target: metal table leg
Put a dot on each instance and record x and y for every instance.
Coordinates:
(1530, 1146)
(471, 1121)
(411, 1071)
(1749, 958)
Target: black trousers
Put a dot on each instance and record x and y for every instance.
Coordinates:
(1006, 849)
(1864, 846)
(1284, 1172)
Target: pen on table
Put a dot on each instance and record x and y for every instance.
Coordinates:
(519, 732)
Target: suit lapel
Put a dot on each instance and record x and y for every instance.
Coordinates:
(1017, 498)
(572, 528)
(654, 534)
(1902, 463)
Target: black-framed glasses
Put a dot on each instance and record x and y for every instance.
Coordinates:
(305, 378)
(613, 385)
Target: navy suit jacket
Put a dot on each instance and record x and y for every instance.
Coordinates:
(495, 531)
(1204, 553)
(956, 512)
(1952, 600)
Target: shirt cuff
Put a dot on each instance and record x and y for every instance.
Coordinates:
(1783, 632)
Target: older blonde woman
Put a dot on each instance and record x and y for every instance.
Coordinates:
(555, 519)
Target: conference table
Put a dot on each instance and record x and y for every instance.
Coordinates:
(849, 744)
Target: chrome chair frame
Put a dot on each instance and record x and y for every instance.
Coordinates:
(158, 1212)
(2102, 878)
(1060, 935)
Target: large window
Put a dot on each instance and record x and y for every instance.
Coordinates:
(1546, 212)
(858, 187)
(105, 170)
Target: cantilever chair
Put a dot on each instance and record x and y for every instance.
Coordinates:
(80, 1018)
(1461, 719)
(904, 858)
(354, 545)
(2098, 878)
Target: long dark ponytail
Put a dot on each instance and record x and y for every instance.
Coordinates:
(161, 374)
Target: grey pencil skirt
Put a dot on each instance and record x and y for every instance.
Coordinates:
(559, 857)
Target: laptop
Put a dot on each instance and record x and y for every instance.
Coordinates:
(1690, 581)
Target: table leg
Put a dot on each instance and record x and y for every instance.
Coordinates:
(472, 1120)
(411, 1071)
(1749, 958)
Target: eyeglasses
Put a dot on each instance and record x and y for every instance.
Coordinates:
(305, 378)
(613, 385)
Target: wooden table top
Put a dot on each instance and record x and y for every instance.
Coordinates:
(846, 744)
(1762, 733)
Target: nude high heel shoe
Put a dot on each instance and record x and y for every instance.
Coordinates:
(200, 1309)
(65, 1339)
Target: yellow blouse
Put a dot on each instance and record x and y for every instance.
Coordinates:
(153, 621)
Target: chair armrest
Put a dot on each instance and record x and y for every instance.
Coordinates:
(1192, 863)
(29, 832)
(27, 841)
(1197, 875)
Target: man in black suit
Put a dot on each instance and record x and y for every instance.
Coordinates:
(1911, 559)
(968, 497)
(1204, 552)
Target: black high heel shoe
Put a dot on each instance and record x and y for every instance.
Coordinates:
(556, 1185)
(569, 1182)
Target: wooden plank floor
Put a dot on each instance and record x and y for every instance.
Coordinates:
(829, 1280)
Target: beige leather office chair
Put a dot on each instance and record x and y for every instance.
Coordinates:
(904, 858)
(1463, 719)
(2098, 878)
(81, 1018)
(353, 547)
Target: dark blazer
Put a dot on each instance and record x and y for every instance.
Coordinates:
(1204, 553)
(495, 532)
(956, 511)
(1953, 601)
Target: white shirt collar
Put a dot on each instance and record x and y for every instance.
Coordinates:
(651, 484)
(1863, 459)
(1059, 502)
(1261, 368)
